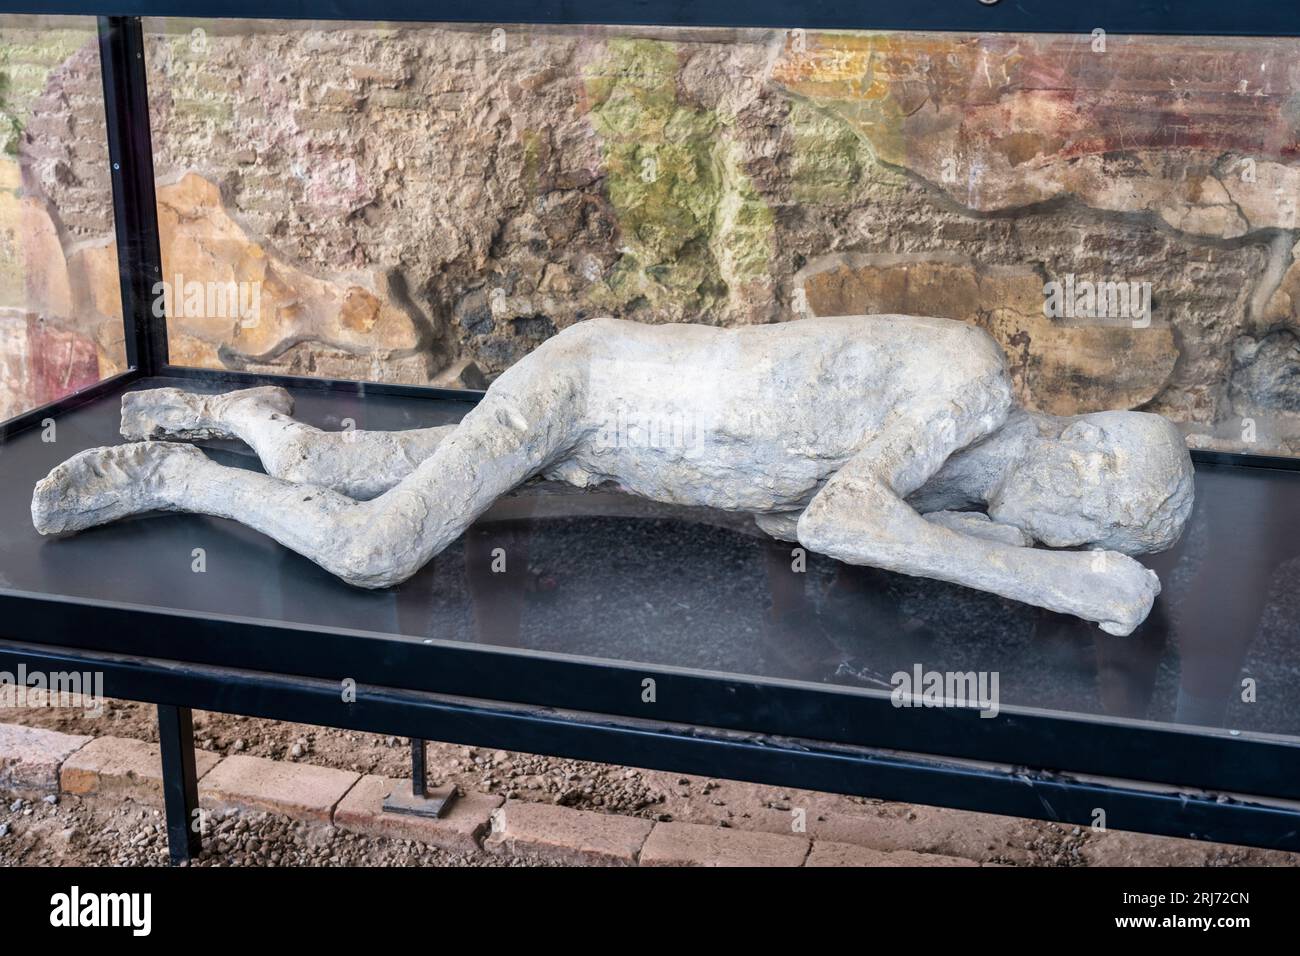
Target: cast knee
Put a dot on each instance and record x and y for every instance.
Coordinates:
(376, 547)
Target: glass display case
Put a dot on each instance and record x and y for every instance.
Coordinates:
(382, 218)
(60, 307)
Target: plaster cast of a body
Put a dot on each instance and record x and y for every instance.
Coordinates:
(890, 441)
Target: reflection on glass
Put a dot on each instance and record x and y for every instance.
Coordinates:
(596, 574)
(427, 203)
(60, 303)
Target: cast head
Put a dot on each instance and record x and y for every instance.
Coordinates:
(1119, 481)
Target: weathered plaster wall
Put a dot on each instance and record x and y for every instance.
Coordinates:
(60, 324)
(427, 204)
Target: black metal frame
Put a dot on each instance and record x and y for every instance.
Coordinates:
(1184, 17)
(847, 742)
(654, 744)
(180, 781)
(135, 209)
(1220, 760)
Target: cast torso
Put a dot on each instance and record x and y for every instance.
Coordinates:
(757, 418)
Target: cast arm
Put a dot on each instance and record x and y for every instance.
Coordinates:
(860, 517)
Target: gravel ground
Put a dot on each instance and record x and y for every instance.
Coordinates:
(526, 776)
(123, 833)
(110, 831)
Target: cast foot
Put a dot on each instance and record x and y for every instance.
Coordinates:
(177, 415)
(104, 484)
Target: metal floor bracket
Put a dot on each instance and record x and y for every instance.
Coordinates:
(433, 804)
(421, 801)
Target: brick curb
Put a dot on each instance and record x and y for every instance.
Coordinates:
(574, 836)
(30, 758)
(697, 844)
(300, 791)
(461, 829)
(830, 853)
(35, 762)
(123, 766)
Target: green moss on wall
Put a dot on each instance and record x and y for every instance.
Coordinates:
(692, 224)
(828, 156)
(11, 127)
(26, 58)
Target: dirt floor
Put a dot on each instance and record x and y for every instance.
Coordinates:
(123, 833)
(68, 831)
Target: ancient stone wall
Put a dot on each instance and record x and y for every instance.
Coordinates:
(422, 204)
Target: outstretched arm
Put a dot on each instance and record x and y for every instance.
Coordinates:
(860, 517)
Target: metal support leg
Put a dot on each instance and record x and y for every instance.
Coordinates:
(419, 769)
(422, 802)
(131, 172)
(180, 782)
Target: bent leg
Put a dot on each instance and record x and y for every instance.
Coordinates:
(520, 429)
(106, 484)
(359, 464)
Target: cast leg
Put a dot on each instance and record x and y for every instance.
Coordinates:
(359, 464)
(524, 426)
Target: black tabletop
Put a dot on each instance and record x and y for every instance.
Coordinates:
(602, 576)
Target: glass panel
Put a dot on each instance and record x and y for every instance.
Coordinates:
(430, 204)
(596, 574)
(60, 301)
(426, 204)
